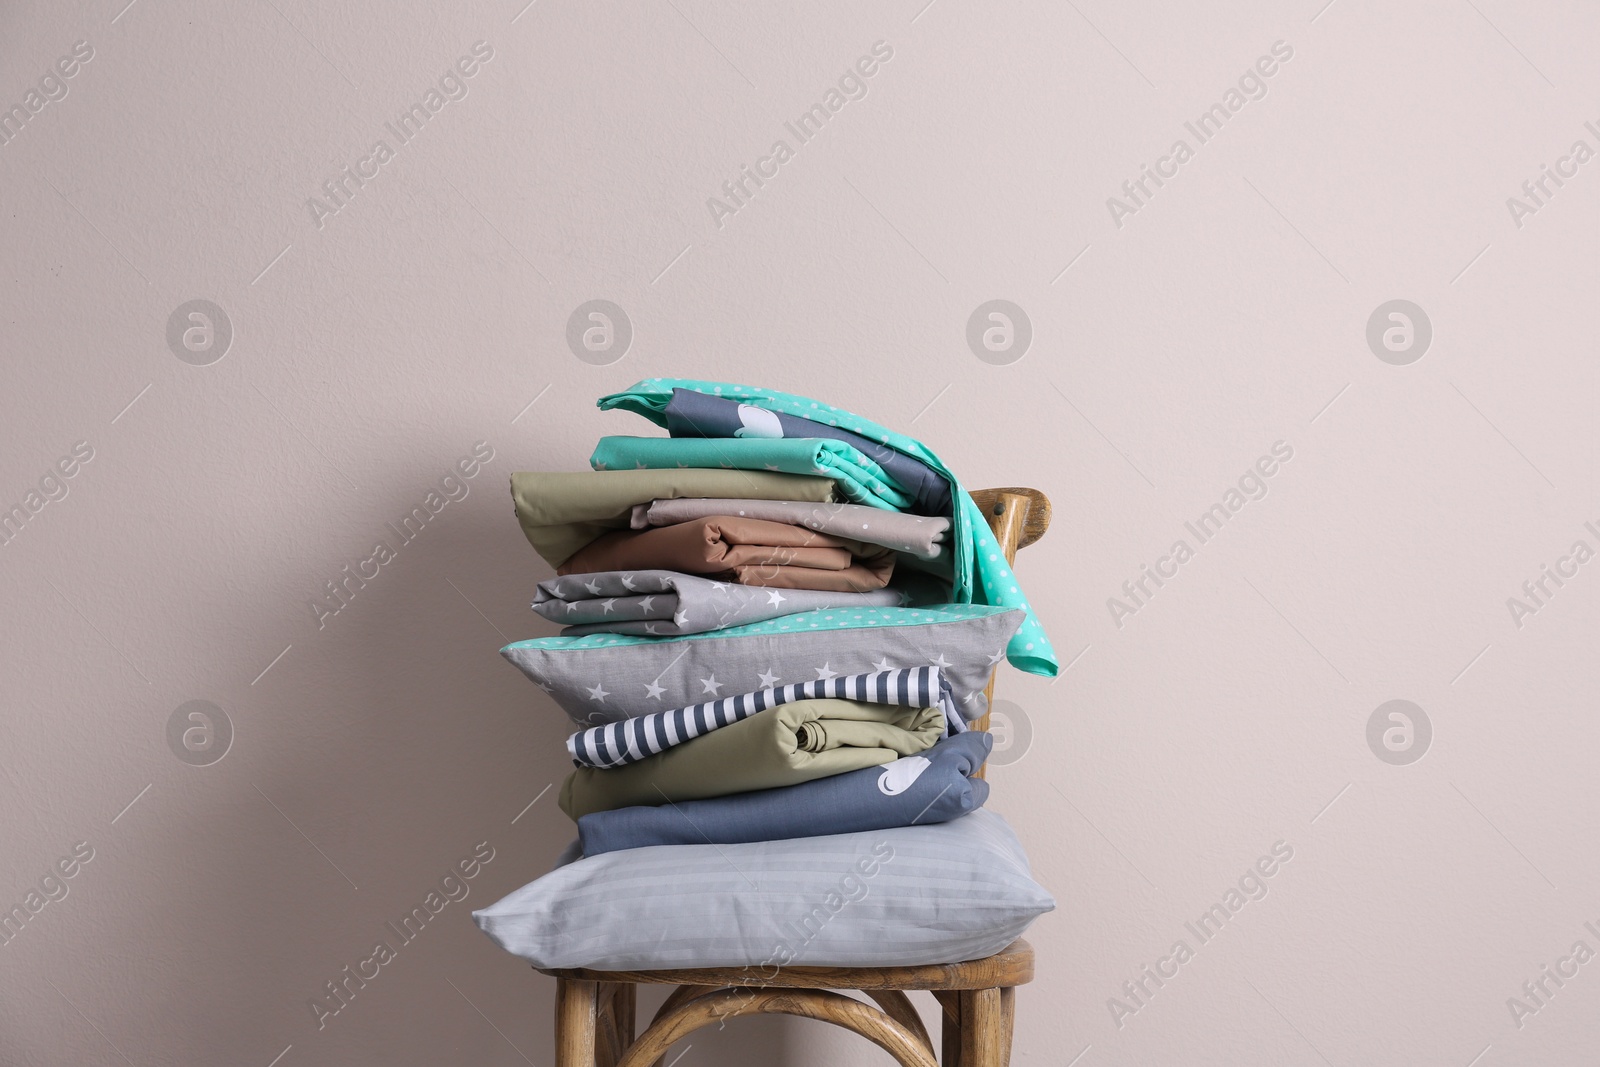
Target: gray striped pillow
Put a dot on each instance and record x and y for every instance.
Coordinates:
(955, 891)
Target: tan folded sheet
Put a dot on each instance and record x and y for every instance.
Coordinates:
(919, 536)
(785, 745)
(750, 551)
(562, 511)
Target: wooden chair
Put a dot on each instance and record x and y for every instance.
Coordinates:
(595, 1009)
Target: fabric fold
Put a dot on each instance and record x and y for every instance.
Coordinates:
(689, 410)
(981, 574)
(919, 536)
(562, 511)
(907, 896)
(660, 603)
(606, 677)
(762, 752)
(857, 478)
(631, 740)
(933, 787)
(750, 551)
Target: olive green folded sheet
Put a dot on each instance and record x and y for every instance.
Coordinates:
(786, 745)
(562, 511)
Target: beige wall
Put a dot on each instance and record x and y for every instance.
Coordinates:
(374, 346)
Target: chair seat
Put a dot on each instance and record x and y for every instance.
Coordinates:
(1011, 966)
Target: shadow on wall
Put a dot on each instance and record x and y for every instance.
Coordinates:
(388, 775)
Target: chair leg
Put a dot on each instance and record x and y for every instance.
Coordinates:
(982, 1025)
(614, 1022)
(625, 1008)
(577, 1012)
(1008, 1021)
(950, 1031)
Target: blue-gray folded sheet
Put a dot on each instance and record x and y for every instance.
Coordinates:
(933, 787)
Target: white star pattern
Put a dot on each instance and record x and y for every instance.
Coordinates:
(627, 582)
(652, 691)
(721, 587)
(650, 628)
(768, 679)
(774, 598)
(710, 685)
(882, 665)
(608, 606)
(646, 603)
(997, 657)
(572, 605)
(680, 618)
(824, 674)
(942, 662)
(593, 586)
(598, 693)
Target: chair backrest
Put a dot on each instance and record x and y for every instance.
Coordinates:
(1018, 517)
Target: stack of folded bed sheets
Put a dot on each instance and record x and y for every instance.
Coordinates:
(777, 625)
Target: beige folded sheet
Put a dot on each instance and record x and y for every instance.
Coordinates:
(786, 745)
(562, 511)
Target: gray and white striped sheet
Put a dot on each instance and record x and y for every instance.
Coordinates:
(631, 740)
(955, 891)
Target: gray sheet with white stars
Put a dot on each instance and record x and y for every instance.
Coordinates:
(605, 677)
(658, 603)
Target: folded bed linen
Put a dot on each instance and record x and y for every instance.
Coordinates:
(748, 551)
(959, 890)
(921, 790)
(661, 603)
(692, 411)
(919, 536)
(857, 478)
(631, 740)
(602, 677)
(980, 572)
(786, 745)
(562, 511)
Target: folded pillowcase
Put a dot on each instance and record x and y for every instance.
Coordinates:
(786, 745)
(922, 790)
(601, 678)
(668, 604)
(692, 413)
(856, 477)
(957, 891)
(748, 551)
(915, 535)
(562, 511)
(632, 740)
